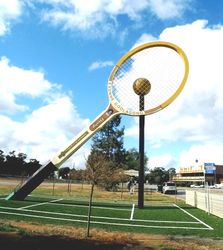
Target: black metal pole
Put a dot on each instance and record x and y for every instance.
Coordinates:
(141, 154)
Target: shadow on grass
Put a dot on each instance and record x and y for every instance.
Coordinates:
(13, 241)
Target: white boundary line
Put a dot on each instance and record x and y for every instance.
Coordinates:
(39, 204)
(100, 217)
(98, 222)
(86, 206)
(206, 225)
(132, 212)
(63, 214)
(150, 205)
(105, 223)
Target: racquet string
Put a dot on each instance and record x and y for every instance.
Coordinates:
(162, 66)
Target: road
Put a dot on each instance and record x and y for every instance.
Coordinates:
(181, 194)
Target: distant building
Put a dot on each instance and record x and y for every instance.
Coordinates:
(200, 174)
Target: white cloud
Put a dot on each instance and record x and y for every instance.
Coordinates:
(202, 153)
(49, 128)
(9, 11)
(100, 64)
(44, 131)
(196, 115)
(100, 17)
(164, 161)
(15, 81)
(145, 38)
(166, 9)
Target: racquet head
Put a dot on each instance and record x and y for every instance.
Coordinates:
(157, 71)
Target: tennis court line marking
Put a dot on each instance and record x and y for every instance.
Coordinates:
(132, 212)
(101, 217)
(86, 206)
(206, 225)
(39, 204)
(105, 223)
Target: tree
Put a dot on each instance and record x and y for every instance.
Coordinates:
(122, 177)
(109, 142)
(110, 176)
(2, 157)
(32, 166)
(132, 159)
(157, 176)
(94, 174)
(171, 172)
(64, 172)
(15, 165)
(77, 174)
(2, 162)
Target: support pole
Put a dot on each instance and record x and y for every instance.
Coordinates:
(141, 155)
(141, 87)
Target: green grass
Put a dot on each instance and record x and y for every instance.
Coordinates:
(74, 206)
(113, 216)
(7, 228)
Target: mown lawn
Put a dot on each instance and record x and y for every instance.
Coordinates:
(111, 211)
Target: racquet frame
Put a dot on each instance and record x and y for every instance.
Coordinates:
(115, 108)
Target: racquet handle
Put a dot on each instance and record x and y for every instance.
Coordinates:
(83, 136)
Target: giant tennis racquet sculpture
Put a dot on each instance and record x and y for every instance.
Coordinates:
(144, 81)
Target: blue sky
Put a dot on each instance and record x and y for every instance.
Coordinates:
(55, 59)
